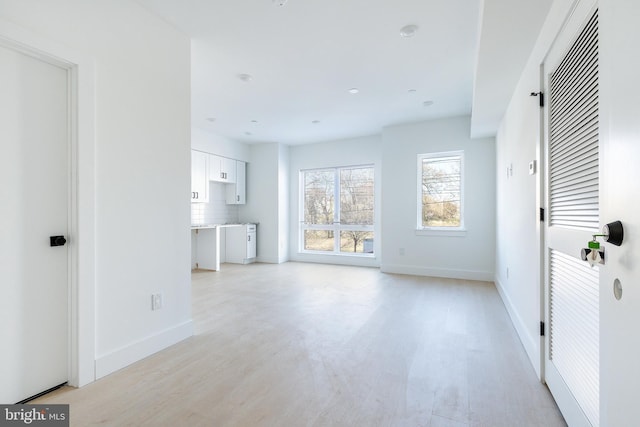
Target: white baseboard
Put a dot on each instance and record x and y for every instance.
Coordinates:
(438, 272)
(356, 261)
(125, 356)
(528, 341)
(268, 259)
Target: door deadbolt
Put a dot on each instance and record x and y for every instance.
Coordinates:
(57, 240)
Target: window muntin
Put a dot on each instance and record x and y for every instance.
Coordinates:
(338, 210)
(440, 191)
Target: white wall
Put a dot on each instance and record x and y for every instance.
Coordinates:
(394, 154)
(518, 236)
(470, 256)
(284, 196)
(142, 163)
(262, 199)
(349, 152)
(215, 144)
(517, 233)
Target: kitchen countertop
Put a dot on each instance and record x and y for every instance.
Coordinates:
(232, 224)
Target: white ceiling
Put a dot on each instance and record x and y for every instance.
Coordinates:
(304, 57)
(509, 31)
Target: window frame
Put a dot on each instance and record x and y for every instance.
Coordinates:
(335, 226)
(455, 231)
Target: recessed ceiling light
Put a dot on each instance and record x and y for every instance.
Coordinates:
(315, 122)
(412, 90)
(254, 121)
(245, 77)
(408, 31)
(427, 103)
(248, 133)
(354, 90)
(211, 119)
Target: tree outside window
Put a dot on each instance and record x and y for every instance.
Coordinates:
(338, 210)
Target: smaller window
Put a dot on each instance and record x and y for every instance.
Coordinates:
(440, 191)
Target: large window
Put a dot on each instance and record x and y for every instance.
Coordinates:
(440, 191)
(337, 210)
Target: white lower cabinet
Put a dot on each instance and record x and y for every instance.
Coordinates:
(207, 248)
(241, 244)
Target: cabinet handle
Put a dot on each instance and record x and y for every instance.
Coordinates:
(196, 195)
(249, 236)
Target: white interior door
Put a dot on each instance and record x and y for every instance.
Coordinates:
(572, 189)
(34, 194)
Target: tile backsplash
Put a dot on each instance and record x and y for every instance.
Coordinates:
(216, 211)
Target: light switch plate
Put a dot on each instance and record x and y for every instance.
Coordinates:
(156, 302)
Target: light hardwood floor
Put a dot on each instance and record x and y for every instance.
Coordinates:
(317, 345)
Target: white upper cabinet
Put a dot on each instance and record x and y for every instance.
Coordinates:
(229, 169)
(222, 169)
(207, 167)
(199, 177)
(237, 192)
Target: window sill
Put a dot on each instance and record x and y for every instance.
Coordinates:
(458, 232)
(341, 254)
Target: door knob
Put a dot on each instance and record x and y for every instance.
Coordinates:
(57, 240)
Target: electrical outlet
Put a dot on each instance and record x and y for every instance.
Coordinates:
(156, 302)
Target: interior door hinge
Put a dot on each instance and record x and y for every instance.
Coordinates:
(540, 96)
(541, 329)
(542, 214)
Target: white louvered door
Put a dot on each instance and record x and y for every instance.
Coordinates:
(572, 190)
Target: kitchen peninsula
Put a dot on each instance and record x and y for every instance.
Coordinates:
(239, 244)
